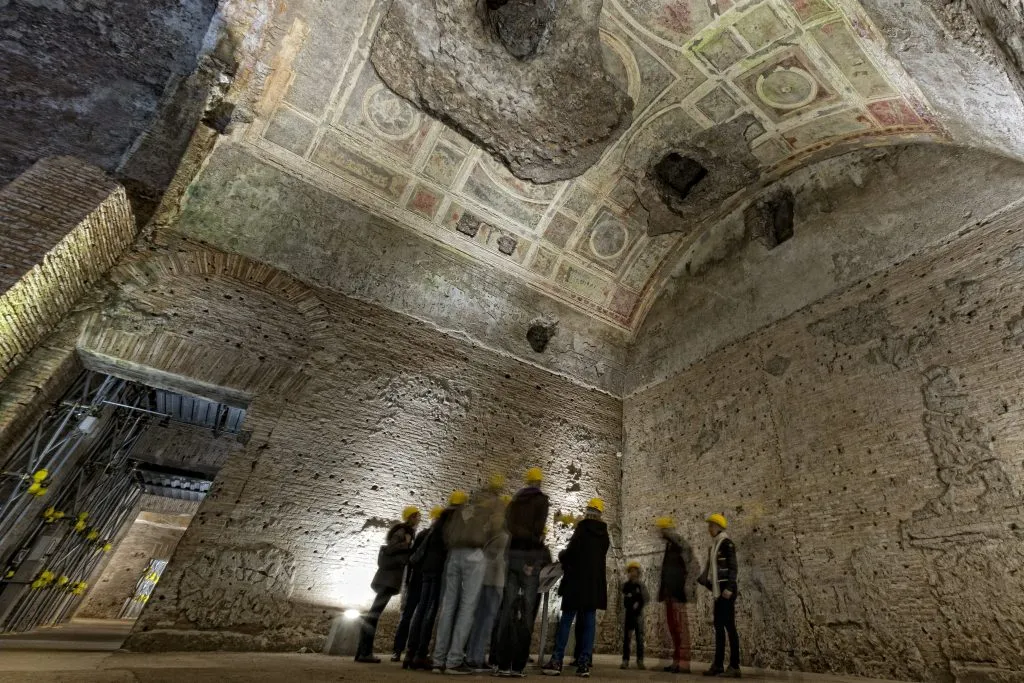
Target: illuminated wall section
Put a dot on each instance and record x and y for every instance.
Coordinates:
(63, 223)
(353, 412)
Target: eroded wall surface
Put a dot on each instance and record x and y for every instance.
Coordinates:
(355, 412)
(867, 450)
(854, 215)
(244, 205)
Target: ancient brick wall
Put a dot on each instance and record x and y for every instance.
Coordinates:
(868, 451)
(355, 412)
(185, 447)
(63, 223)
(152, 536)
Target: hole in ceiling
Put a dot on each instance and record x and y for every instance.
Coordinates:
(680, 174)
(770, 220)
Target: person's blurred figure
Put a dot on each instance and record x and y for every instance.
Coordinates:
(584, 587)
(387, 582)
(634, 598)
(413, 588)
(719, 577)
(434, 554)
(525, 518)
(470, 528)
(496, 554)
(672, 592)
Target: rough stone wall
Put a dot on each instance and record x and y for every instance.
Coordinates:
(867, 450)
(334, 244)
(86, 79)
(63, 224)
(854, 215)
(152, 536)
(185, 447)
(355, 411)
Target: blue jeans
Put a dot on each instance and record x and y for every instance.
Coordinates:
(483, 624)
(589, 620)
(463, 579)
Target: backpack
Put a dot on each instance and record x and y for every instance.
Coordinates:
(468, 527)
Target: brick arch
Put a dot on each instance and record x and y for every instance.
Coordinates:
(135, 337)
(207, 262)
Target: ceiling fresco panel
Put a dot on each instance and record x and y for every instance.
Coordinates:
(808, 71)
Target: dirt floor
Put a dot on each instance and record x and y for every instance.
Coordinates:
(214, 667)
(87, 651)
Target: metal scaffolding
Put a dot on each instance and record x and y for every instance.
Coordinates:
(132, 607)
(80, 450)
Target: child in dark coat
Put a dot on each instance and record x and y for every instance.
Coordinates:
(634, 597)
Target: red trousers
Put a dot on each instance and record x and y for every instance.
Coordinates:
(679, 629)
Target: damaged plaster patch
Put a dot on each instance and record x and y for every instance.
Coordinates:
(547, 118)
(855, 325)
(540, 333)
(728, 168)
(522, 26)
(777, 365)
(769, 219)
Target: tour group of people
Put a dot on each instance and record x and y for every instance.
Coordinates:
(475, 573)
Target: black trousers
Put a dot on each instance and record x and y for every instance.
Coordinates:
(519, 608)
(725, 623)
(422, 626)
(368, 629)
(634, 624)
(577, 649)
(412, 599)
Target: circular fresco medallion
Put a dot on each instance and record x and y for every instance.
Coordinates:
(787, 88)
(389, 114)
(608, 238)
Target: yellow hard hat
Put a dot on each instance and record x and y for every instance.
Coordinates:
(664, 523)
(632, 565)
(409, 511)
(596, 504)
(534, 475)
(436, 511)
(458, 497)
(496, 482)
(718, 519)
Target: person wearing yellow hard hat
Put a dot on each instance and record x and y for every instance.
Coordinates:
(495, 552)
(525, 518)
(429, 560)
(634, 599)
(675, 562)
(471, 528)
(584, 587)
(719, 577)
(392, 559)
(413, 586)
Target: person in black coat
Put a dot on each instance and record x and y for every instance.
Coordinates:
(634, 599)
(387, 582)
(672, 592)
(584, 587)
(413, 588)
(429, 558)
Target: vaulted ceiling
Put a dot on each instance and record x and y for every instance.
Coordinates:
(803, 78)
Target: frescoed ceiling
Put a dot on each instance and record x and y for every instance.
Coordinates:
(814, 74)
